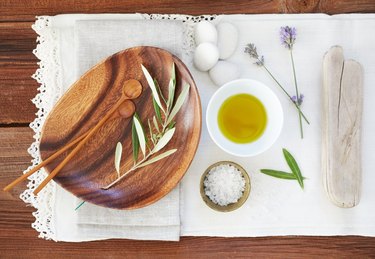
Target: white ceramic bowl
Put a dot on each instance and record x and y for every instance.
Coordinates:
(271, 103)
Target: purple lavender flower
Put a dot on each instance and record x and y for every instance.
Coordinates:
(252, 51)
(299, 101)
(288, 36)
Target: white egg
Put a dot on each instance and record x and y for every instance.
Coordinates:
(223, 72)
(227, 39)
(205, 32)
(206, 56)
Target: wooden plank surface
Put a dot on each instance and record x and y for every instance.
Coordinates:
(25, 10)
(17, 64)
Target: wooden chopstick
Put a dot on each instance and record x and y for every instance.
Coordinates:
(135, 90)
(79, 146)
(45, 162)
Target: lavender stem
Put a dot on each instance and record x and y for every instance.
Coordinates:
(282, 88)
(297, 94)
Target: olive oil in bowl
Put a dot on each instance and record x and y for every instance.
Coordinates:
(242, 118)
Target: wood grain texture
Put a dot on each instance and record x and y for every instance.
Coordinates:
(341, 128)
(17, 89)
(195, 7)
(87, 102)
(19, 240)
(12, 8)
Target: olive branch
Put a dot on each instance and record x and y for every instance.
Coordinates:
(161, 127)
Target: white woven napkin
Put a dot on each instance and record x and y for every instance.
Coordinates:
(94, 41)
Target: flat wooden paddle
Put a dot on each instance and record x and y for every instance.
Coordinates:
(341, 128)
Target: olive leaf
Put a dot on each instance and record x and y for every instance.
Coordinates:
(158, 157)
(159, 90)
(296, 172)
(171, 88)
(179, 102)
(152, 85)
(118, 154)
(140, 134)
(171, 125)
(135, 143)
(164, 130)
(150, 129)
(293, 166)
(79, 205)
(163, 141)
(278, 174)
(154, 138)
(156, 125)
(157, 110)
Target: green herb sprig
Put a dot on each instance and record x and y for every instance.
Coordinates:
(294, 175)
(288, 38)
(161, 127)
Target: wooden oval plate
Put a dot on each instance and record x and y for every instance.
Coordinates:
(86, 102)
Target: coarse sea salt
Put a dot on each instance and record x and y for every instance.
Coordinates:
(224, 184)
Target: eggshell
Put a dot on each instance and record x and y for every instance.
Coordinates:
(224, 72)
(227, 39)
(205, 32)
(206, 56)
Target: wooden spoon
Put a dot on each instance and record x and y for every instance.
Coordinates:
(126, 110)
(131, 90)
(124, 107)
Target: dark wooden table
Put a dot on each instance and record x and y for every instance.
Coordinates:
(17, 64)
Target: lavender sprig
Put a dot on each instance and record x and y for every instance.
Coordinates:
(288, 37)
(298, 100)
(253, 53)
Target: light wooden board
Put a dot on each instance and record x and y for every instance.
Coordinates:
(341, 128)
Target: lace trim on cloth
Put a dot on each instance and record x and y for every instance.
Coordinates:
(48, 75)
(189, 21)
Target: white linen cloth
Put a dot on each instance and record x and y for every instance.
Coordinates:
(279, 207)
(274, 207)
(94, 41)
